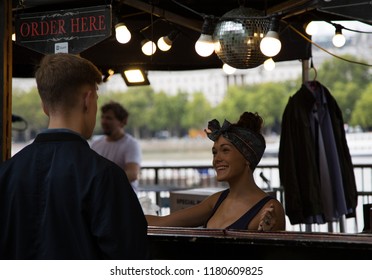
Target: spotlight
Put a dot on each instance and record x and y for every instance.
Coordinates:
(165, 42)
(135, 77)
(270, 45)
(122, 33)
(339, 39)
(205, 44)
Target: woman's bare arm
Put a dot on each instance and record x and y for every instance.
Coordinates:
(193, 216)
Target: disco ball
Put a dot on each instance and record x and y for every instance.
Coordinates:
(238, 35)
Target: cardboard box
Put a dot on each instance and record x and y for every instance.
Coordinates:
(186, 198)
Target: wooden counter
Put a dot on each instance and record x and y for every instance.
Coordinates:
(199, 243)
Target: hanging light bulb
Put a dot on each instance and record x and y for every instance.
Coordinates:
(269, 64)
(205, 44)
(270, 45)
(165, 42)
(311, 28)
(228, 69)
(122, 33)
(148, 47)
(339, 39)
(107, 75)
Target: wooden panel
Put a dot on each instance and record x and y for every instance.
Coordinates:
(5, 79)
(198, 243)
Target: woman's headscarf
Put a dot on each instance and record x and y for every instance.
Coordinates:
(249, 143)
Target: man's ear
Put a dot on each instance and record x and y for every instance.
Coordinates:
(86, 99)
(45, 108)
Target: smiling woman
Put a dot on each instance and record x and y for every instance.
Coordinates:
(237, 150)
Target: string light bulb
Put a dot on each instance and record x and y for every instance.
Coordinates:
(311, 28)
(204, 46)
(148, 47)
(269, 64)
(165, 42)
(229, 70)
(270, 45)
(122, 33)
(339, 39)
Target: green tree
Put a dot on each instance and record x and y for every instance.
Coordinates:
(362, 113)
(336, 70)
(346, 95)
(167, 112)
(198, 112)
(28, 106)
(159, 112)
(233, 104)
(177, 112)
(268, 99)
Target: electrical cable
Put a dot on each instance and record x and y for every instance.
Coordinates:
(187, 8)
(323, 49)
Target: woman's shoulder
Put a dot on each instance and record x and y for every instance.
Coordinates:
(212, 199)
(274, 201)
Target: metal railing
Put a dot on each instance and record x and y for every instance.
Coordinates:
(159, 181)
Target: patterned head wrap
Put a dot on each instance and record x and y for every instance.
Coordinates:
(249, 143)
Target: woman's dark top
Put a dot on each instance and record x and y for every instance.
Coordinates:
(243, 221)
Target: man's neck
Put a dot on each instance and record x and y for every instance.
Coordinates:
(115, 137)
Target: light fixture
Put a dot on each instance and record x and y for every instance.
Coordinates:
(339, 39)
(204, 46)
(148, 47)
(13, 37)
(269, 64)
(270, 45)
(107, 75)
(229, 70)
(311, 28)
(165, 42)
(122, 33)
(135, 77)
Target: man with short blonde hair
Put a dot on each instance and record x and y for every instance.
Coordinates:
(58, 198)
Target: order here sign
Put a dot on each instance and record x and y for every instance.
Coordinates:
(68, 31)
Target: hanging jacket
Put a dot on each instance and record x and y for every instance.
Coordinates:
(298, 161)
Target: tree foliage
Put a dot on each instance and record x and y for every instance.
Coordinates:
(198, 112)
(362, 114)
(334, 70)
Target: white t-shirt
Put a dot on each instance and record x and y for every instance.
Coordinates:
(123, 151)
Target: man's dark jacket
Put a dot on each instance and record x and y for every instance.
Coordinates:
(61, 200)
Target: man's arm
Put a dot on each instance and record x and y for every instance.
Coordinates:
(118, 221)
(132, 170)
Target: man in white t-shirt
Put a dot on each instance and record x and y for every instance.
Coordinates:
(117, 145)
